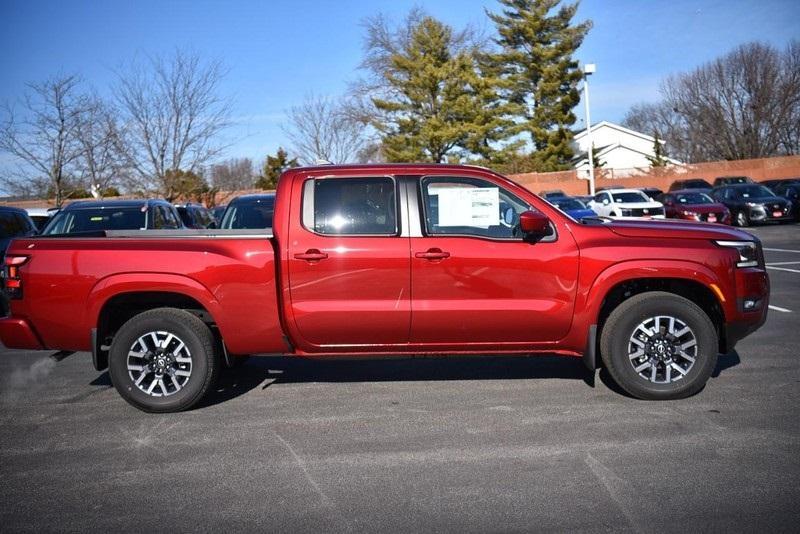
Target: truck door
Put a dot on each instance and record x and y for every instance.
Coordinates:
(473, 278)
(349, 267)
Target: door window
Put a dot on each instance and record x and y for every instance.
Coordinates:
(350, 206)
(472, 207)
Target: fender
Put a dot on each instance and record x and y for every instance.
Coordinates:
(587, 309)
(633, 269)
(135, 282)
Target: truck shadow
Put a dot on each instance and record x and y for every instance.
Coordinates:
(265, 371)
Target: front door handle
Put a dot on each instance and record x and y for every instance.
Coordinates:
(311, 255)
(432, 254)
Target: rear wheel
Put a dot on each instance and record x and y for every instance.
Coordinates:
(659, 346)
(163, 360)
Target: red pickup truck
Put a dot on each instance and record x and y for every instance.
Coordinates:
(368, 261)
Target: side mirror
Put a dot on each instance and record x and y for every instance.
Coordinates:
(533, 222)
(606, 202)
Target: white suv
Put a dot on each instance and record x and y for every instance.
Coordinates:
(626, 204)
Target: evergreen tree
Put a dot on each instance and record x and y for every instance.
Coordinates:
(536, 56)
(441, 103)
(273, 168)
(658, 159)
(596, 158)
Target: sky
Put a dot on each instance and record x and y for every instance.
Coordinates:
(277, 51)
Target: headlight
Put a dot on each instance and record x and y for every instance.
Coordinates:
(691, 214)
(748, 252)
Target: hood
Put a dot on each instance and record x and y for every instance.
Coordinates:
(676, 229)
(577, 214)
(638, 205)
(701, 208)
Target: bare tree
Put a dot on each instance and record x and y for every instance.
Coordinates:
(172, 117)
(745, 104)
(45, 140)
(100, 163)
(321, 128)
(233, 174)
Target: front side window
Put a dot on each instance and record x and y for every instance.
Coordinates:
(350, 206)
(470, 206)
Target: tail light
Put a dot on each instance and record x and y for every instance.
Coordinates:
(13, 282)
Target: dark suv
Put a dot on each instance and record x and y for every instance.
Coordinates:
(98, 215)
(249, 211)
(753, 203)
(14, 222)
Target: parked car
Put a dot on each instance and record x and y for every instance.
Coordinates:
(778, 184)
(195, 216)
(98, 215)
(41, 216)
(690, 183)
(572, 207)
(249, 211)
(14, 223)
(552, 193)
(753, 203)
(217, 212)
(360, 263)
(731, 180)
(693, 205)
(790, 190)
(626, 203)
(652, 192)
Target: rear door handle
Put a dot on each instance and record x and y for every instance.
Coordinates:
(432, 254)
(311, 255)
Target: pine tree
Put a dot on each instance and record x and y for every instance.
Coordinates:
(598, 163)
(442, 103)
(658, 159)
(537, 50)
(273, 168)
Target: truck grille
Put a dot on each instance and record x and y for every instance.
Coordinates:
(643, 212)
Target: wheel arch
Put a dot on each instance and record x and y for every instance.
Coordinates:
(117, 299)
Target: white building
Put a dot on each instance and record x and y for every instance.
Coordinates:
(616, 146)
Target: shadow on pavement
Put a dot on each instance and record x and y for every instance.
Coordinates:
(264, 371)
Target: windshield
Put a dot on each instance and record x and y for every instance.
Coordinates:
(754, 191)
(568, 204)
(630, 196)
(245, 214)
(694, 198)
(96, 219)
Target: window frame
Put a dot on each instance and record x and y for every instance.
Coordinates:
(308, 199)
(423, 211)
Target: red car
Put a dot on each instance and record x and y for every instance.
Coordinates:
(382, 260)
(694, 206)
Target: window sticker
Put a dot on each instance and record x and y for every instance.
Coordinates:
(475, 206)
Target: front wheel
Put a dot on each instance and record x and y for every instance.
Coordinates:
(163, 360)
(659, 346)
(742, 219)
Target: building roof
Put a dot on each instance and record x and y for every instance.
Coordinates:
(582, 133)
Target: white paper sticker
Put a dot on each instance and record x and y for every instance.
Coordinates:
(475, 206)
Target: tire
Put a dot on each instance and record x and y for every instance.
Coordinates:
(676, 377)
(742, 219)
(167, 351)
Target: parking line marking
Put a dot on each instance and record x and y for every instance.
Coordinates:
(784, 269)
(782, 263)
(782, 250)
(778, 308)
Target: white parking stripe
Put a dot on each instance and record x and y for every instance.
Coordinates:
(782, 250)
(778, 308)
(783, 263)
(783, 269)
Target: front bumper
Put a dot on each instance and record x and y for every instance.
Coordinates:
(751, 284)
(18, 334)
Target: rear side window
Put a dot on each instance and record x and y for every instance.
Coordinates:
(350, 206)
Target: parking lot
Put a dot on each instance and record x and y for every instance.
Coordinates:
(461, 445)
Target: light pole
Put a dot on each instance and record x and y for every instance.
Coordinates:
(588, 69)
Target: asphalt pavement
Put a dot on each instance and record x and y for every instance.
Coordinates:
(427, 445)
